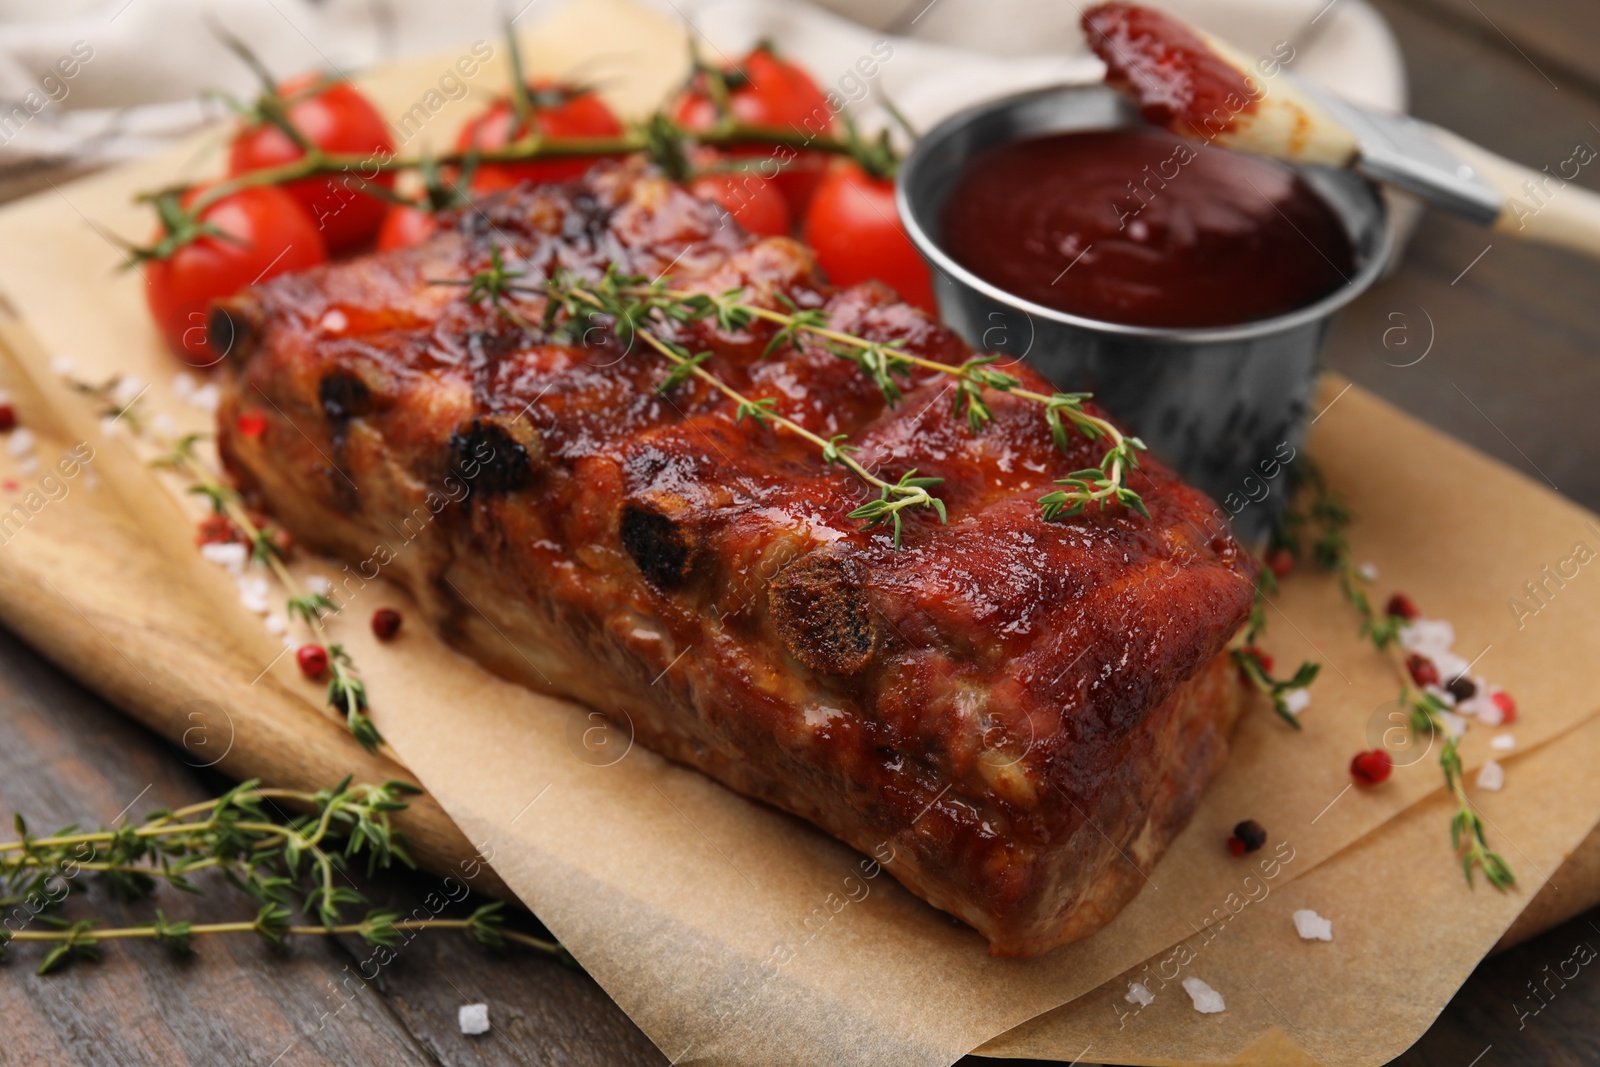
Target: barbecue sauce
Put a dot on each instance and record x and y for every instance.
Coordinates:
(1138, 227)
(1179, 81)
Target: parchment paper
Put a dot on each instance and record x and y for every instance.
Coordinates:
(735, 934)
(1370, 993)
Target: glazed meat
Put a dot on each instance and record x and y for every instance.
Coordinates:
(1021, 713)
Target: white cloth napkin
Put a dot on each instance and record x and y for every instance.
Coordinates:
(97, 80)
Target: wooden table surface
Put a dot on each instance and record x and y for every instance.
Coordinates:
(1512, 365)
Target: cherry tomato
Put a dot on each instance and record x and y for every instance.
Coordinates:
(336, 119)
(558, 112)
(753, 201)
(269, 234)
(857, 234)
(768, 91)
(404, 226)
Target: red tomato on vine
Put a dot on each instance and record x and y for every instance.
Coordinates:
(854, 228)
(765, 90)
(334, 116)
(243, 239)
(404, 226)
(753, 202)
(556, 111)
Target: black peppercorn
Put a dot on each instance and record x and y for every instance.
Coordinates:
(1462, 688)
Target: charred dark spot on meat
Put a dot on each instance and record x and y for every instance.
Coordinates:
(343, 396)
(496, 455)
(663, 548)
(823, 615)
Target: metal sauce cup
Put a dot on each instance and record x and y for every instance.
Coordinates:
(1226, 406)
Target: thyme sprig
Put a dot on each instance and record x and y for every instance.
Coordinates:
(575, 306)
(1249, 659)
(658, 137)
(887, 365)
(495, 285)
(288, 866)
(348, 693)
(182, 456)
(633, 307)
(1325, 522)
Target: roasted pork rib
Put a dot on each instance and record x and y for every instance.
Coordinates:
(1021, 710)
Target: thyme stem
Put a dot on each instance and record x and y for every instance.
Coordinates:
(975, 375)
(345, 692)
(155, 930)
(637, 307)
(318, 163)
(185, 461)
(1331, 550)
(894, 497)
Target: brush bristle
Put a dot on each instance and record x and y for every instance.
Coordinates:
(1285, 123)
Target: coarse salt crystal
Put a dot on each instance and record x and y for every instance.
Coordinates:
(206, 398)
(473, 1018)
(163, 424)
(1454, 724)
(334, 321)
(1138, 994)
(1451, 666)
(1488, 712)
(253, 594)
(1491, 776)
(318, 584)
(1297, 700)
(1313, 927)
(62, 366)
(1207, 1001)
(1428, 636)
(276, 624)
(21, 441)
(126, 390)
(231, 556)
(182, 384)
(1503, 743)
(28, 465)
(1368, 571)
